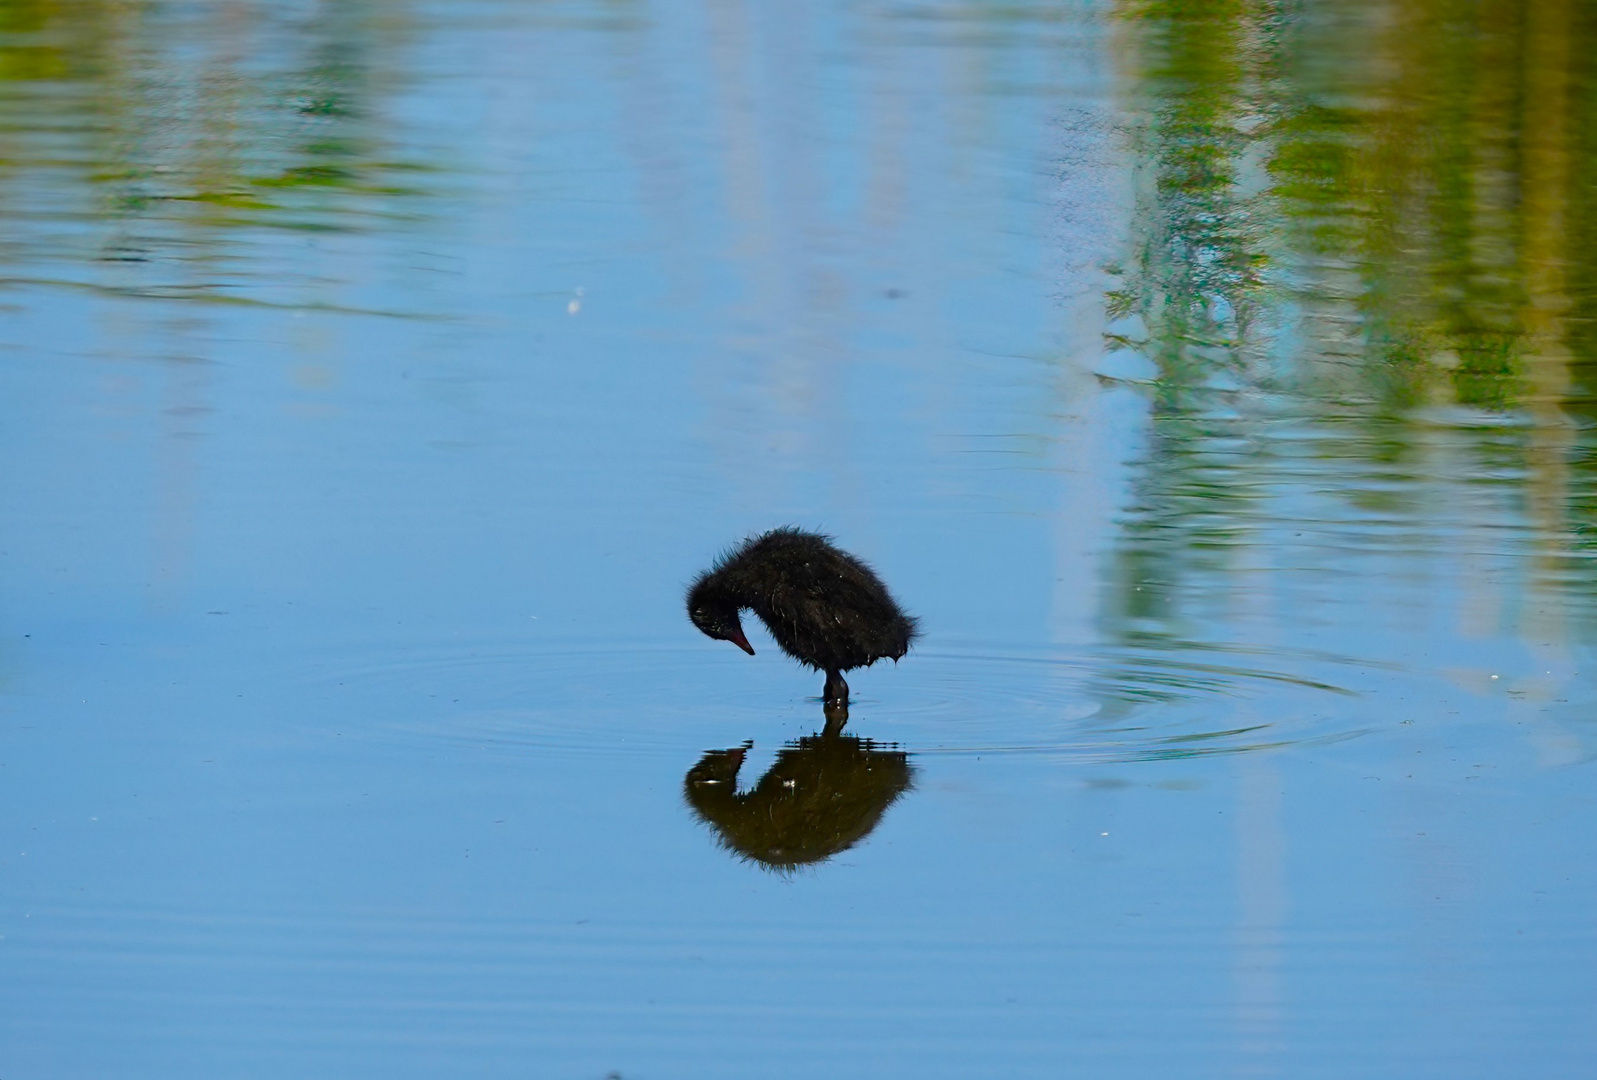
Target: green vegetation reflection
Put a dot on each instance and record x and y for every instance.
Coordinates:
(1407, 180)
(159, 133)
(1362, 257)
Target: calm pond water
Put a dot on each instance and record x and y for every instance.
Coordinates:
(1215, 382)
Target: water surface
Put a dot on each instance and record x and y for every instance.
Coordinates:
(1213, 381)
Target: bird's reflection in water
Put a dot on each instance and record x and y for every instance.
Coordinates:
(824, 794)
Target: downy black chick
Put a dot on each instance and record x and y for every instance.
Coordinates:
(825, 608)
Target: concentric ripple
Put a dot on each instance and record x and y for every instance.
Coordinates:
(1108, 704)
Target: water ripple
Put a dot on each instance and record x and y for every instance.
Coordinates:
(1122, 704)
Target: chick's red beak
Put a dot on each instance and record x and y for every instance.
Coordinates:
(737, 638)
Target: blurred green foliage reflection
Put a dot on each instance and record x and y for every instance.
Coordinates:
(1362, 261)
(135, 130)
(1404, 182)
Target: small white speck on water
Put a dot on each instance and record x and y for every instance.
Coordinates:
(1494, 676)
(1103, 834)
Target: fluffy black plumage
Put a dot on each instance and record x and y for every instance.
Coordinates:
(824, 607)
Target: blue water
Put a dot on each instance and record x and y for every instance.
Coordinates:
(374, 377)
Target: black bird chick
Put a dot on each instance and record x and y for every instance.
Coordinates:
(825, 608)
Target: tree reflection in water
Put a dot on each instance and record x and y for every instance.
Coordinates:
(171, 151)
(824, 794)
(1360, 262)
